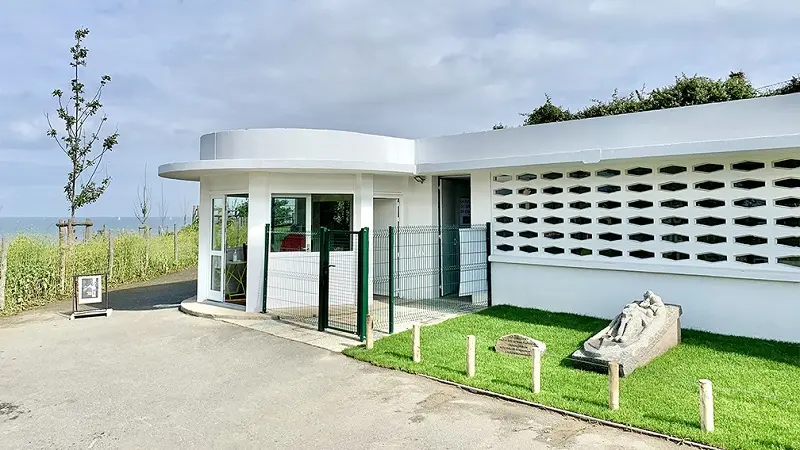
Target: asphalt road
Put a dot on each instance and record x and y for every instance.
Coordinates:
(154, 378)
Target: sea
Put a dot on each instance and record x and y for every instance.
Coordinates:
(46, 226)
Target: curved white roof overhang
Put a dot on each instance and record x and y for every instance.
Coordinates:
(193, 170)
(744, 125)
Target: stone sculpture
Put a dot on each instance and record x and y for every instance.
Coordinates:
(644, 330)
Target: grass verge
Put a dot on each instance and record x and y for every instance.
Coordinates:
(756, 382)
(33, 276)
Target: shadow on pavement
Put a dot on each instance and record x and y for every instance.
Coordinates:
(155, 296)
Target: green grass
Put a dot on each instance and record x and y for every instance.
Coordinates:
(33, 276)
(756, 382)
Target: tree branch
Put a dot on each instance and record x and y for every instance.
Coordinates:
(54, 136)
(88, 111)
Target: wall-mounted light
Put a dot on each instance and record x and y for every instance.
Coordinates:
(419, 178)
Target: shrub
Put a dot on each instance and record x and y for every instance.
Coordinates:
(33, 276)
(685, 91)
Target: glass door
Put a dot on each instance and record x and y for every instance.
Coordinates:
(217, 253)
(235, 243)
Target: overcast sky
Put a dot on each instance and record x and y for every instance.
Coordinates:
(407, 68)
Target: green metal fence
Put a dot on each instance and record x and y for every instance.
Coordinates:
(419, 273)
(319, 278)
(343, 299)
(428, 272)
(291, 276)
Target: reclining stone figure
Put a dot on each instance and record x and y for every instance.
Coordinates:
(643, 330)
(635, 317)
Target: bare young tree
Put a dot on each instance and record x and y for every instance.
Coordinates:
(75, 112)
(143, 209)
(162, 212)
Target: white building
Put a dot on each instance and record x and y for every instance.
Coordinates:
(699, 204)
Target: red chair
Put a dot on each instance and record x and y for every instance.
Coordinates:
(293, 243)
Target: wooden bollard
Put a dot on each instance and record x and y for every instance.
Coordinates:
(370, 336)
(110, 254)
(3, 268)
(613, 385)
(175, 242)
(536, 370)
(706, 406)
(416, 354)
(470, 356)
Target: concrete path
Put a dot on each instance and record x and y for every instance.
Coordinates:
(156, 378)
(265, 323)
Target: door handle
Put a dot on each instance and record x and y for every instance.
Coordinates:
(331, 265)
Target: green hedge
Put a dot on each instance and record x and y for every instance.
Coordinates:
(33, 276)
(685, 91)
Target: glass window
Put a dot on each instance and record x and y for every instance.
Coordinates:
(289, 224)
(294, 224)
(236, 223)
(334, 212)
(216, 272)
(217, 212)
(236, 211)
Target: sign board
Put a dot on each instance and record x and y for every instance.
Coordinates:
(464, 211)
(89, 296)
(89, 289)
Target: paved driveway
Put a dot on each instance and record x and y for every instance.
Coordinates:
(159, 379)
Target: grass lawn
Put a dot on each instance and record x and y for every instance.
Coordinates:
(756, 382)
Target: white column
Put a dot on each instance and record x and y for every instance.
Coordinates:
(258, 215)
(204, 242)
(481, 198)
(362, 214)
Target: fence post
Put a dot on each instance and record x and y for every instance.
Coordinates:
(363, 282)
(706, 406)
(370, 331)
(416, 351)
(536, 370)
(110, 254)
(147, 251)
(175, 241)
(63, 267)
(391, 278)
(3, 267)
(488, 264)
(613, 385)
(266, 269)
(471, 356)
(324, 278)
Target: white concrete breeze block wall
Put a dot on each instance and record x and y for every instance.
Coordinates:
(697, 230)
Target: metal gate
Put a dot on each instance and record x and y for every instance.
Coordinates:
(418, 278)
(318, 278)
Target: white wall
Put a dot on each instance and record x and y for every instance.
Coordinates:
(721, 127)
(566, 252)
(764, 309)
(204, 240)
(259, 212)
(309, 144)
(418, 201)
(261, 186)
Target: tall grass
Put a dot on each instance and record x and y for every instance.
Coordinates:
(33, 276)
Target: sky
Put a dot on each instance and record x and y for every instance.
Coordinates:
(411, 68)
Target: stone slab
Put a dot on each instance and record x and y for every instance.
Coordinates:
(652, 343)
(518, 344)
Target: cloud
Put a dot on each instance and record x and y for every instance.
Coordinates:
(181, 68)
